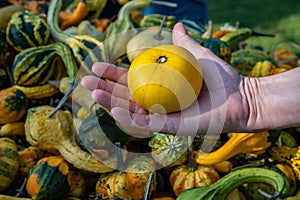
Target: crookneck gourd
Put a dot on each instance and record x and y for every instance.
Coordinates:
(93, 10)
(75, 17)
(86, 49)
(122, 30)
(237, 143)
(220, 189)
(57, 133)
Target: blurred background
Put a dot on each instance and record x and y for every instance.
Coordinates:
(281, 18)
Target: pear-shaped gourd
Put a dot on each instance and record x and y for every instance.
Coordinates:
(146, 39)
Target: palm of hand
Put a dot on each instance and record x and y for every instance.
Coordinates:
(219, 103)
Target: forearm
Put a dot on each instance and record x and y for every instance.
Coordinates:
(273, 101)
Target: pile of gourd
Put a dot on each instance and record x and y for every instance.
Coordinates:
(56, 143)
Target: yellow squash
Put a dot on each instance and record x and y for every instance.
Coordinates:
(165, 79)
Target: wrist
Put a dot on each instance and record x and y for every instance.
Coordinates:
(272, 101)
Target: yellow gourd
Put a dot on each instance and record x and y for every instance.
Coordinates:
(165, 79)
(238, 143)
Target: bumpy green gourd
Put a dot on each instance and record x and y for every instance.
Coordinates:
(168, 149)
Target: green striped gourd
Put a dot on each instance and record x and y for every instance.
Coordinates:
(27, 29)
(48, 179)
(155, 20)
(243, 60)
(122, 30)
(234, 37)
(86, 49)
(37, 65)
(9, 162)
(196, 29)
(219, 47)
(234, 179)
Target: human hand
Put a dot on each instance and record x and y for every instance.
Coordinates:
(220, 107)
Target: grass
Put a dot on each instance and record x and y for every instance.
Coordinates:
(281, 18)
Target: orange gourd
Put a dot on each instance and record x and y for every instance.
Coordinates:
(182, 178)
(13, 105)
(74, 18)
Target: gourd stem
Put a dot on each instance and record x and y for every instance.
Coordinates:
(192, 165)
(21, 188)
(208, 33)
(121, 165)
(254, 33)
(246, 166)
(52, 20)
(267, 195)
(164, 3)
(147, 192)
(63, 100)
(158, 36)
(237, 24)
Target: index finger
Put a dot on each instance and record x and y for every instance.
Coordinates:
(111, 72)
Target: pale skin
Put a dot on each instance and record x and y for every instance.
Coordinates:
(228, 102)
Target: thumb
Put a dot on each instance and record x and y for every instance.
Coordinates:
(181, 38)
